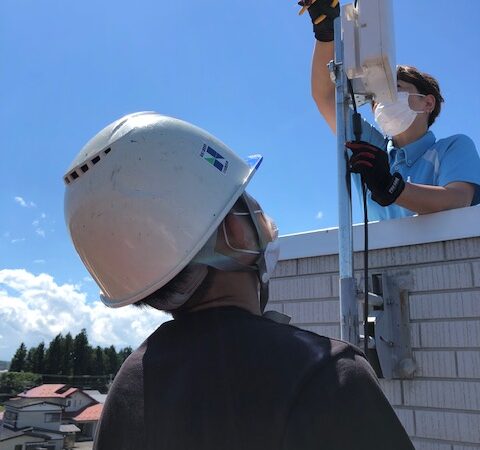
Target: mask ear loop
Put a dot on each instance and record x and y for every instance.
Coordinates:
(263, 241)
(239, 250)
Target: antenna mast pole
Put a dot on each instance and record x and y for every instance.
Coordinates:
(348, 294)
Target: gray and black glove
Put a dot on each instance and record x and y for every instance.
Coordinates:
(322, 13)
(372, 164)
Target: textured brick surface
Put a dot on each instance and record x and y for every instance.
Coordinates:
(450, 334)
(445, 305)
(453, 426)
(463, 395)
(429, 445)
(476, 273)
(285, 268)
(446, 276)
(314, 311)
(438, 410)
(435, 364)
(331, 331)
(469, 363)
(406, 418)
(392, 390)
(313, 286)
(463, 248)
(401, 256)
(274, 307)
(320, 264)
(415, 335)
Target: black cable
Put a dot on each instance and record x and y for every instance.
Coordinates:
(365, 268)
(357, 132)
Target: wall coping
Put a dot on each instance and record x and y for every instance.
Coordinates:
(443, 226)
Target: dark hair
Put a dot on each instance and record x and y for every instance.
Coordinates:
(157, 298)
(425, 84)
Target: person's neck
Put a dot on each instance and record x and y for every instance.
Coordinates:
(238, 289)
(412, 134)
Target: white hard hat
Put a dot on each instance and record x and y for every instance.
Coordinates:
(144, 196)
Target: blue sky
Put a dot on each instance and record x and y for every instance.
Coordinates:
(238, 69)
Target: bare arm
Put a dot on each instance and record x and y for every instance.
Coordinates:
(425, 199)
(323, 89)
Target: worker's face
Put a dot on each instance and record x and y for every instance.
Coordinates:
(239, 238)
(424, 103)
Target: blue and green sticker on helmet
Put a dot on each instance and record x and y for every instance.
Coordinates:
(214, 158)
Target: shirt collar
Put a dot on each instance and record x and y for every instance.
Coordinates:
(415, 149)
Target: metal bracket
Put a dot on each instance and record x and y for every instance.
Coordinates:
(392, 328)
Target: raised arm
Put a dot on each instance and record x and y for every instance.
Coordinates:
(323, 13)
(323, 89)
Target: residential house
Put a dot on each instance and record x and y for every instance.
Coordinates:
(52, 412)
(30, 423)
(81, 408)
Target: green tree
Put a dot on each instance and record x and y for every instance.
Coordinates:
(12, 383)
(55, 356)
(68, 355)
(113, 363)
(81, 354)
(39, 360)
(29, 360)
(19, 360)
(99, 361)
(35, 360)
(124, 353)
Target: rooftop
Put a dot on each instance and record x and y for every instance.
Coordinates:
(50, 391)
(90, 413)
(24, 402)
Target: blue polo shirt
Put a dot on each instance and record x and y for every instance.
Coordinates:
(429, 161)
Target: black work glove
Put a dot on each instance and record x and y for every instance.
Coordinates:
(322, 13)
(372, 164)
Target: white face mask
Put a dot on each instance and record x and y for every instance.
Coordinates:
(394, 118)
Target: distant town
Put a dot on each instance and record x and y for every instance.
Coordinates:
(51, 396)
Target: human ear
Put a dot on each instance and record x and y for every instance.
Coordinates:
(430, 102)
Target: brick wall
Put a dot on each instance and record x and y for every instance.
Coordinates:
(440, 407)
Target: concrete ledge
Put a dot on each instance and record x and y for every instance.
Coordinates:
(443, 226)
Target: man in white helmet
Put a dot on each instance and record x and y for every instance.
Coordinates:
(158, 212)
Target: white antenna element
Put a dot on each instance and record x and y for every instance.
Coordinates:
(369, 49)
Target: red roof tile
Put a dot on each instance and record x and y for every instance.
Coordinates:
(48, 390)
(90, 413)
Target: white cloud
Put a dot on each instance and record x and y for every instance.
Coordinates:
(319, 215)
(35, 308)
(38, 225)
(16, 240)
(39, 261)
(23, 203)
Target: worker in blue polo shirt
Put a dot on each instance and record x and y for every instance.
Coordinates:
(413, 173)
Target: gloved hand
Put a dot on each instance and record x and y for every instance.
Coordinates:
(322, 13)
(372, 163)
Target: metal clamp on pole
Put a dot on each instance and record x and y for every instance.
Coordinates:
(390, 351)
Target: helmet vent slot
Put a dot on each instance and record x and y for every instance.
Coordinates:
(85, 167)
